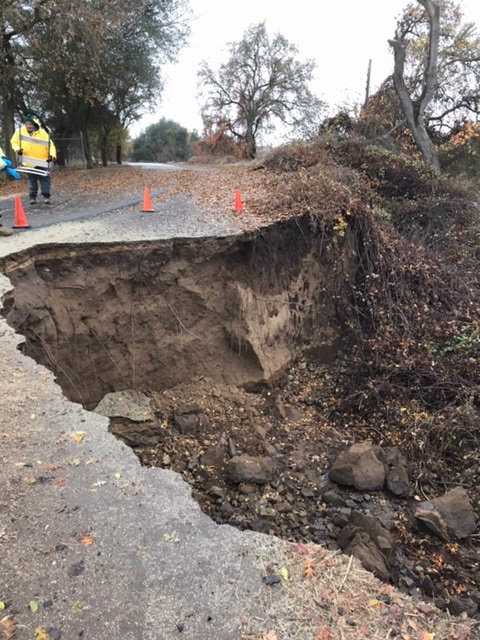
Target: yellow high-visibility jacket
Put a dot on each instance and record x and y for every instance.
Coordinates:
(36, 147)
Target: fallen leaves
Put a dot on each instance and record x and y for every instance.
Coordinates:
(34, 606)
(8, 628)
(373, 602)
(271, 635)
(284, 574)
(309, 570)
(41, 634)
(77, 607)
(3, 606)
(78, 436)
(324, 633)
(87, 539)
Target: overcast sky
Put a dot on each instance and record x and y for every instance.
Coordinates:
(340, 35)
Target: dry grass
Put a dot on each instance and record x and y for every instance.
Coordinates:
(328, 596)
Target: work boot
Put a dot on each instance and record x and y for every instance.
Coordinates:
(33, 200)
(5, 232)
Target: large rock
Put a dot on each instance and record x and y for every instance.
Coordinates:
(360, 522)
(132, 405)
(249, 470)
(396, 468)
(368, 541)
(190, 419)
(215, 456)
(359, 466)
(372, 559)
(136, 434)
(450, 516)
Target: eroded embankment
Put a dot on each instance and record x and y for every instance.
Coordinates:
(152, 315)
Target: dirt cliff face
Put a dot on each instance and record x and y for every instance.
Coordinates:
(152, 315)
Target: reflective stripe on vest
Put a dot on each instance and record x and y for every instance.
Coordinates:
(31, 140)
(27, 161)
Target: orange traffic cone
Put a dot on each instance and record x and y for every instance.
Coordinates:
(239, 205)
(21, 221)
(147, 201)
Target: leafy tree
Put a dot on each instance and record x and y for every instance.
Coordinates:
(17, 21)
(453, 93)
(90, 67)
(261, 82)
(164, 141)
(414, 107)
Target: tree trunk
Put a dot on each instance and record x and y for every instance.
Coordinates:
(8, 124)
(415, 112)
(251, 144)
(61, 160)
(425, 145)
(119, 153)
(104, 149)
(87, 152)
(9, 90)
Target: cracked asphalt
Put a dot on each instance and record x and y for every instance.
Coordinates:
(159, 568)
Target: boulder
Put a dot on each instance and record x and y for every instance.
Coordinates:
(396, 468)
(135, 434)
(190, 419)
(215, 456)
(132, 405)
(246, 469)
(368, 541)
(372, 559)
(449, 516)
(380, 536)
(359, 466)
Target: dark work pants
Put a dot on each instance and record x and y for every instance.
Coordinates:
(44, 185)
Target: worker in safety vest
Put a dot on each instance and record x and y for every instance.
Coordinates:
(35, 149)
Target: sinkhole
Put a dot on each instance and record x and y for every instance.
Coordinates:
(212, 357)
(191, 347)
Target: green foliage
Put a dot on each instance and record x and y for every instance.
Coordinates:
(468, 342)
(91, 65)
(164, 141)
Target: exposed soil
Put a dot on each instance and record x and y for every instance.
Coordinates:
(244, 330)
(152, 315)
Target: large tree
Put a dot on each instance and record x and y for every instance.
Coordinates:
(90, 67)
(261, 82)
(17, 21)
(164, 141)
(454, 89)
(414, 107)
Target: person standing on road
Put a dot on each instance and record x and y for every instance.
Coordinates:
(35, 149)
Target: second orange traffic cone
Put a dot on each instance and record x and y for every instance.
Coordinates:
(147, 201)
(21, 220)
(239, 205)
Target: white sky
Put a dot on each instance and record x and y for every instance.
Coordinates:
(340, 35)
